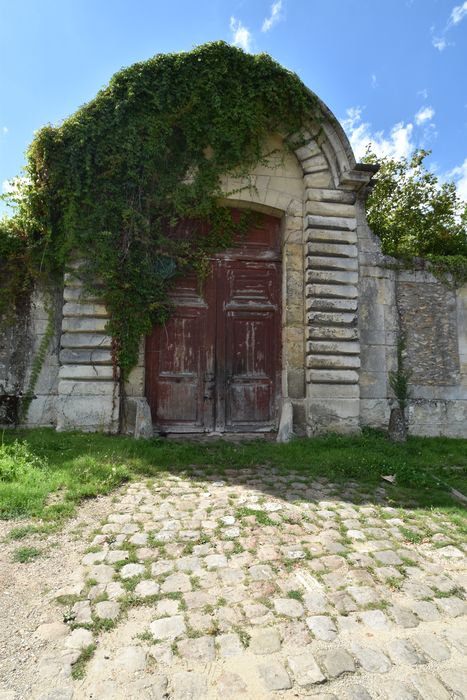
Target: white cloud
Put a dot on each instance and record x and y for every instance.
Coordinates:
(274, 17)
(399, 143)
(424, 114)
(8, 186)
(374, 81)
(459, 175)
(14, 185)
(423, 93)
(439, 43)
(458, 13)
(241, 36)
(4, 129)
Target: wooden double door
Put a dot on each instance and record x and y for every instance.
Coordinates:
(215, 365)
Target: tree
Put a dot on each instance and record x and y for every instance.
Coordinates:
(412, 212)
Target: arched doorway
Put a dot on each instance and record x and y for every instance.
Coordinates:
(216, 364)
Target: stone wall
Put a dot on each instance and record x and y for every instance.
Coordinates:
(344, 307)
(432, 318)
(20, 342)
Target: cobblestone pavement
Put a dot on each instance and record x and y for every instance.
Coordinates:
(261, 586)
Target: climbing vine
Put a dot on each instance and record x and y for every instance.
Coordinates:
(115, 182)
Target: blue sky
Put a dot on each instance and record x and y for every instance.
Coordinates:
(393, 71)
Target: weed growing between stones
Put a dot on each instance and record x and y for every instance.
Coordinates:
(24, 555)
(79, 667)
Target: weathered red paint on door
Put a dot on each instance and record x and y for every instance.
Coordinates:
(215, 365)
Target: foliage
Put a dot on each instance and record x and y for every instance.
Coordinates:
(81, 465)
(414, 214)
(29, 476)
(399, 379)
(38, 362)
(450, 269)
(119, 176)
(18, 463)
(24, 555)
(78, 669)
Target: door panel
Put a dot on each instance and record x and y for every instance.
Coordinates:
(180, 361)
(249, 324)
(215, 365)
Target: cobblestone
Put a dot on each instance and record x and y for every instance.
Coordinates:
(229, 606)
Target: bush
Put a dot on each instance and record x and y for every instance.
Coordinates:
(413, 213)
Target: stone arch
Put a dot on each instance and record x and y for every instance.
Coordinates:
(319, 190)
(315, 185)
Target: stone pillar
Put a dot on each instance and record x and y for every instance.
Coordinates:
(88, 397)
(332, 181)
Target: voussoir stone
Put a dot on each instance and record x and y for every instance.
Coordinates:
(168, 627)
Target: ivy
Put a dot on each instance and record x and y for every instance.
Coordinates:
(113, 184)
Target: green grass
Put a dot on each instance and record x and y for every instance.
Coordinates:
(262, 518)
(23, 531)
(23, 555)
(45, 474)
(79, 667)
